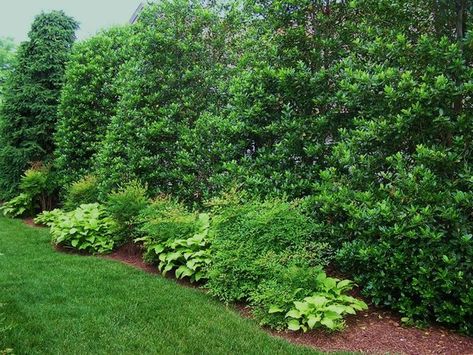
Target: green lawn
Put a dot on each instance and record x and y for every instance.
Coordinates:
(68, 304)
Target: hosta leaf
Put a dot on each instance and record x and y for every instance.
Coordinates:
(313, 320)
(302, 307)
(293, 324)
(344, 284)
(293, 313)
(199, 275)
(330, 283)
(173, 256)
(183, 271)
(191, 264)
(349, 310)
(158, 248)
(167, 268)
(329, 323)
(317, 301)
(332, 315)
(339, 309)
(275, 309)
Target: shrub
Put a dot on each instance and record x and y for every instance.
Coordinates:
(83, 191)
(249, 240)
(166, 219)
(124, 207)
(189, 257)
(38, 182)
(48, 218)
(398, 200)
(285, 284)
(87, 229)
(179, 60)
(17, 206)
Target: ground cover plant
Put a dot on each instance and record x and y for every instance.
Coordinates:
(87, 228)
(62, 303)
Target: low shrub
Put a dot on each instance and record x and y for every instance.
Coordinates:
(83, 191)
(124, 207)
(38, 182)
(17, 206)
(264, 253)
(188, 257)
(249, 240)
(165, 219)
(47, 218)
(87, 228)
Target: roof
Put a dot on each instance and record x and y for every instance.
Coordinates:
(137, 13)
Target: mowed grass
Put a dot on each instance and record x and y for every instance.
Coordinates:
(57, 303)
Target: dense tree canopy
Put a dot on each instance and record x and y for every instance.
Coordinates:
(89, 100)
(29, 112)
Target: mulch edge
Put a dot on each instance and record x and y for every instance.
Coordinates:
(320, 340)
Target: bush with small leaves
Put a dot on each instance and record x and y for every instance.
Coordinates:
(124, 206)
(83, 191)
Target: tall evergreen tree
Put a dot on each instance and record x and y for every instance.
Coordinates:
(7, 53)
(31, 94)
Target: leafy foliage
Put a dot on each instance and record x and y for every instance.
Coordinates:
(362, 108)
(88, 102)
(179, 50)
(397, 201)
(7, 49)
(124, 207)
(31, 94)
(325, 308)
(83, 191)
(87, 228)
(250, 240)
(188, 257)
(166, 220)
(17, 206)
(38, 182)
(48, 218)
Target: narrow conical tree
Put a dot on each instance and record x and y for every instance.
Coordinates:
(31, 94)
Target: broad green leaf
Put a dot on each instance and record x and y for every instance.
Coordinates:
(329, 323)
(293, 325)
(312, 321)
(275, 309)
(293, 313)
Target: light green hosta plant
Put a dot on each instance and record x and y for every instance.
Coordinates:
(47, 218)
(325, 308)
(87, 228)
(189, 257)
(17, 206)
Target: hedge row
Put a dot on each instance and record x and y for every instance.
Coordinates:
(362, 108)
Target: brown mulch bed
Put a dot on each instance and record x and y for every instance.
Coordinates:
(30, 222)
(376, 331)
